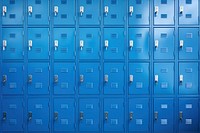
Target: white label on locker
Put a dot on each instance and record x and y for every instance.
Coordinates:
(114, 121)
(89, 106)
(138, 121)
(114, 106)
(188, 121)
(89, 121)
(163, 121)
(188, 106)
(163, 106)
(139, 106)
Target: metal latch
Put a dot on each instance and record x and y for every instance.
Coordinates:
(56, 44)
(30, 10)
(106, 44)
(156, 43)
(131, 10)
(55, 116)
(4, 44)
(106, 78)
(106, 115)
(181, 115)
(131, 44)
(181, 78)
(81, 78)
(55, 10)
(55, 78)
(181, 43)
(106, 10)
(156, 115)
(30, 44)
(81, 10)
(156, 10)
(156, 78)
(81, 115)
(130, 78)
(181, 8)
(131, 115)
(4, 116)
(30, 78)
(30, 115)
(4, 78)
(4, 10)
(81, 44)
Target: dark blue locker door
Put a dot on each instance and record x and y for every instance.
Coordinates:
(137, 14)
(12, 115)
(188, 43)
(163, 115)
(89, 43)
(64, 43)
(89, 115)
(12, 12)
(64, 12)
(163, 78)
(138, 116)
(38, 12)
(139, 43)
(89, 12)
(12, 43)
(38, 114)
(114, 41)
(38, 78)
(138, 79)
(113, 114)
(89, 78)
(114, 12)
(38, 43)
(188, 12)
(188, 78)
(12, 78)
(164, 12)
(64, 115)
(164, 43)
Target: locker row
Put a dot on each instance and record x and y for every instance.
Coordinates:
(92, 12)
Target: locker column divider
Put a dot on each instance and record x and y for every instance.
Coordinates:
(1, 54)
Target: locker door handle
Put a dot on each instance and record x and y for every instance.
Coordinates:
(4, 45)
(30, 10)
(81, 78)
(131, 10)
(181, 8)
(131, 115)
(156, 9)
(56, 44)
(106, 43)
(30, 78)
(181, 115)
(30, 44)
(55, 78)
(4, 78)
(181, 43)
(81, 44)
(156, 78)
(130, 78)
(55, 10)
(156, 43)
(106, 10)
(106, 115)
(30, 116)
(106, 78)
(55, 116)
(181, 78)
(4, 116)
(81, 10)
(81, 115)
(4, 10)
(131, 44)
(156, 115)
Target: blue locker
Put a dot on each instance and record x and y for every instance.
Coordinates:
(164, 42)
(64, 78)
(12, 78)
(163, 115)
(139, 41)
(139, 115)
(163, 78)
(137, 14)
(89, 43)
(139, 78)
(64, 115)
(38, 78)
(113, 114)
(89, 78)
(13, 39)
(64, 43)
(89, 115)
(188, 43)
(188, 78)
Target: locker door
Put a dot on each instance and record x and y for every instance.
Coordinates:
(12, 43)
(164, 12)
(163, 115)
(64, 43)
(12, 78)
(139, 43)
(139, 115)
(113, 114)
(89, 115)
(38, 78)
(137, 14)
(114, 41)
(38, 12)
(163, 78)
(38, 43)
(64, 12)
(89, 43)
(188, 43)
(188, 78)
(64, 115)
(38, 114)
(164, 43)
(12, 12)
(89, 78)
(138, 79)
(12, 115)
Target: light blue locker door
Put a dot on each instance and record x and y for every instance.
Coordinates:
(89, 43)
(38, 43)
(38, 78)
(89, 78)
(163, 78)
(188, 78)
(163, 115)
(64, 115)
(137, 14)
(138, 47)
(64, 43)
(164, 43)
(139, 115)
(64, 12)
(64, 78)
(12, 12)
(164, 12)
(12, 115)
(12, 78)
(12, 43)
(89, 120)
(38, 12)
(188, 43)
(188, 12)
(113, 117)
